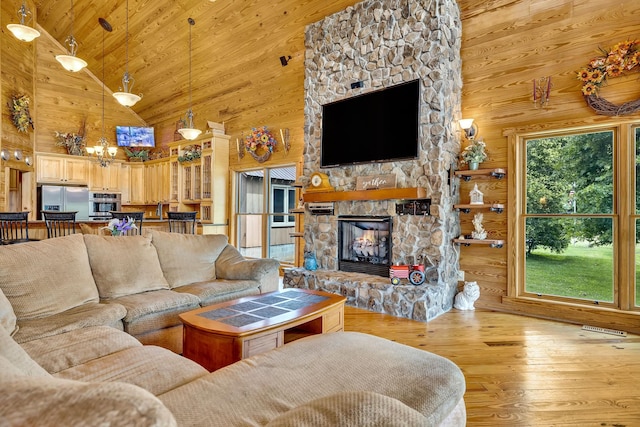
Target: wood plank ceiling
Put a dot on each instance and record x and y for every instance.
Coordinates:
(229, 36)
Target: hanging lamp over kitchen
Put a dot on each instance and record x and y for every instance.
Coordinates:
(189, 131)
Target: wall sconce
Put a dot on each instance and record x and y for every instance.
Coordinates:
(541, 91)
(470, 129)
(17, 154)
(284, 60)
(4, 154)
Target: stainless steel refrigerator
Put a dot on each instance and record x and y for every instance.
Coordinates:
(63, 199)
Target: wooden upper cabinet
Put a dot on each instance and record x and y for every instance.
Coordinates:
(60, 169)
(105, 178)
(133, 189)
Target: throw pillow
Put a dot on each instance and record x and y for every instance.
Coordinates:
(188, 258)
(124, 265)
(47, 277)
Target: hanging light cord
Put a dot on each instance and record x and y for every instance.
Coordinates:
(127, 40)
(102, 140)
(191, 24)
(72, 17)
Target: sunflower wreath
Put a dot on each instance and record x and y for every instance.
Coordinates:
(260, 143)
(622, 57)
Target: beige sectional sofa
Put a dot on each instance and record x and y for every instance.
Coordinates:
(138, 284)
(66, 357)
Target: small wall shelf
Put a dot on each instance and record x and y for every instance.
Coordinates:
(296, 210)
(487, 242)
(379, 194)
(497, 173)
(493, 207)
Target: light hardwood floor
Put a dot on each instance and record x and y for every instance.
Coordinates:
(522, 371)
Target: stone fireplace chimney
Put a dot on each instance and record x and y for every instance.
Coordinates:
(383, 43)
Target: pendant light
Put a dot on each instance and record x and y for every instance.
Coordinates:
(71, 62)
(103, 152)
(189, 132)
(125, 97)
(21, 31)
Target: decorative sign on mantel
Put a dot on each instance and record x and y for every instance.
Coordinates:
(375, 182)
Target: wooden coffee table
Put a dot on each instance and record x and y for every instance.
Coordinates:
(221, 334)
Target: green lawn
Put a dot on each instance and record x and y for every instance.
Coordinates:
(580, 272)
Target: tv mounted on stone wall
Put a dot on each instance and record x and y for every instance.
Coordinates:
(379, 126)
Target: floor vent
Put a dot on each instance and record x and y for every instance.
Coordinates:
(604, 330)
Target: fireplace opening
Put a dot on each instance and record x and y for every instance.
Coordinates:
(364, 244)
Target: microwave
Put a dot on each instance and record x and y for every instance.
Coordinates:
(101, 204)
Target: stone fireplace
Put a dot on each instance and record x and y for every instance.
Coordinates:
(364, 244)
(382, 43)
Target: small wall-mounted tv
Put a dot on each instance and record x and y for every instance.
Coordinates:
(135, 136)
(380, 126)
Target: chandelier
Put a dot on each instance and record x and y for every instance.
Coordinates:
(22, 31)
(71, 62)
(189, 131)
(125, 97)
(103, 152)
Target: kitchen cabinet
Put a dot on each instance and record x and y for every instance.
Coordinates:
(157, 181)
(133, 188)
(105, 178)
(62, 169)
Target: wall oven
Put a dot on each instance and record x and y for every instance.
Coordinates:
(100, 204)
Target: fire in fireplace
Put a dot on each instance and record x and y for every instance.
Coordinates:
(364, 244)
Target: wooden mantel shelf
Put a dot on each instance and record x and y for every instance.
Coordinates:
(487, 242)
(379, 194)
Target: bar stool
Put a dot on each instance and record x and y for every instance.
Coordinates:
(59, 223)
(14, 228)
(182, 222)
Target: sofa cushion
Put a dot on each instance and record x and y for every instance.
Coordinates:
(63, 351)
(220, 290)
(56, 402)
(16, 356)
(155, 369)
(7, 315)
(188, 258)
(342, 361)
(47, 277)
(124, 265)
(94, 314)
(153, 310)
(353, 409)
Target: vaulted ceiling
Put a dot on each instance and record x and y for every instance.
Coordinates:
(231, 38)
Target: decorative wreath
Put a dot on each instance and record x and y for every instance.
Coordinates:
(260, 139)
(20, 115)
(624, 56)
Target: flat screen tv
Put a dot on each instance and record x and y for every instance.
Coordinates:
(380, 126)
(135, 136)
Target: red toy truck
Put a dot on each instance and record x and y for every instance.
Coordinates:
(415, 274)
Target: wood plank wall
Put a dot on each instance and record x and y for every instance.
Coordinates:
(16, 79)
(506, 44)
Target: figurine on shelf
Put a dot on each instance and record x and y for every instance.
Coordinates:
(476, 196)
(479, 233)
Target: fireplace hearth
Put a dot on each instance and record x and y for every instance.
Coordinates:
(364, 244)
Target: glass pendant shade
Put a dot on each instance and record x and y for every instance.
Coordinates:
(189, 133)
(21, 31)
(71, 63)
(126, 98)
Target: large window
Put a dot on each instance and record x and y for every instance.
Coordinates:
(569, 216)
(264, 225)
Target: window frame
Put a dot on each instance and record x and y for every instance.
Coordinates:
(623, 217)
